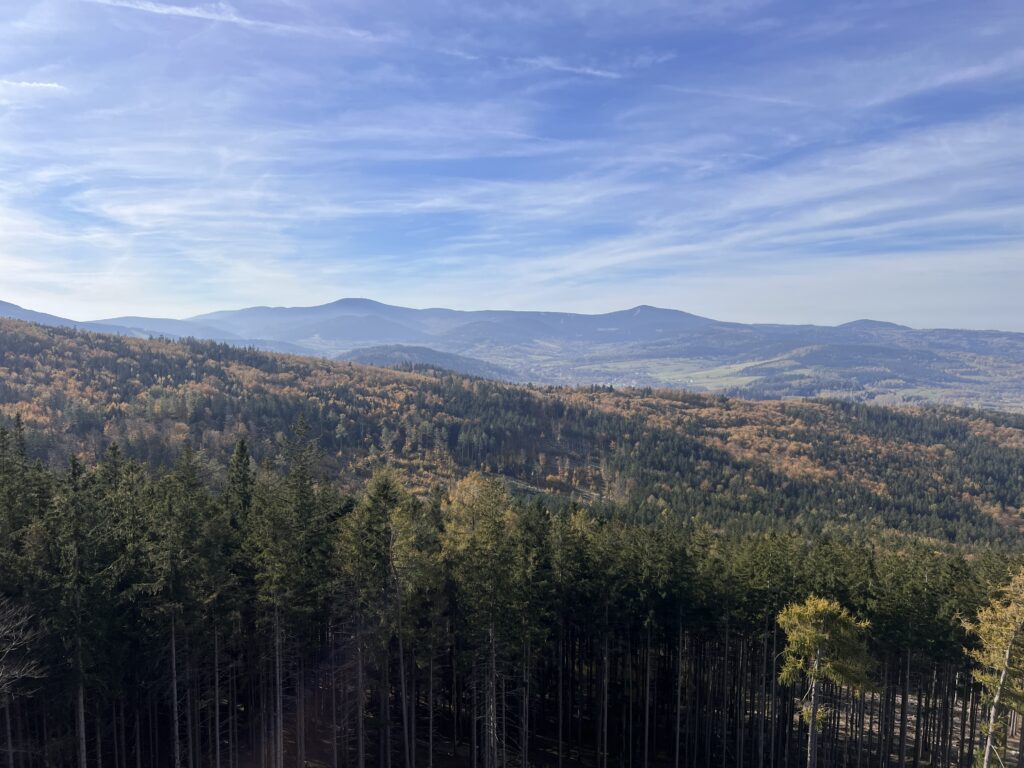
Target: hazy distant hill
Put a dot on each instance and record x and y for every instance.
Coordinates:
(171, 328)
(643, 346)
(151, 327)
(402, 356)
(15, 312)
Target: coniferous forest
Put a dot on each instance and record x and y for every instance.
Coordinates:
(219, 557)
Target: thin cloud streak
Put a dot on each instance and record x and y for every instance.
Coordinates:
(556, 65)
(223, 12)
(35, 86)
(753, 97)
(536, 157)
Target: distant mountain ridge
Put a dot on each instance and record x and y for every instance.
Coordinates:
(15, 312)
(643, 346)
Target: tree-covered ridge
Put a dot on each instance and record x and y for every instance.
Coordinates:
(946, 473)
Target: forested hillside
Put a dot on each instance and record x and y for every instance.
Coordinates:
(212, 556)
(246, 615)
(950, 474)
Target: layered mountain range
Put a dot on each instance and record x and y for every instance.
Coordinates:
(643, 346)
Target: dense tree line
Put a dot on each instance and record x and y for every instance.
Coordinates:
(244, 613)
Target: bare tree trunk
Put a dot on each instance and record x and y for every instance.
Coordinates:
(525, 717)
(334, 701)
(561, 703)
(490, 704)
(629, 699)
(455, 699)
(10, 736)
(775, 648)
(949, 714)
(504, 724)
(346, 726)
(278, 693)
(266, 741)
(99, 739)
(884, 719)
(216, 697)
(385, 709)
(812, 725)
(190, 713)
(921, 723)
(123, 742)
(116, 736)
(679, 690)
(904, 706)
(964, 705)
(473, 728)
(972, 740)
(300, 712)
(138, 740)
(604, 704)
(360, 689)
(762, 694)
(413, 702)
(647, 699)
(725, 699)
(994, 707)
(741, 721)
(430, 710)
(405, 696)
(174, 696)
(860, 729)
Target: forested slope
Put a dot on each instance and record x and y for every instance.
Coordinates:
(950, 474)
(212, 556)
(267, 619)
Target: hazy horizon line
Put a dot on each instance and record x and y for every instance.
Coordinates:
(111, 318)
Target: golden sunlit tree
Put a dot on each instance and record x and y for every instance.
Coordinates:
(823, 642)
(1000, 658)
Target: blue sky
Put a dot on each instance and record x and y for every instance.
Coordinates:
(743, 159)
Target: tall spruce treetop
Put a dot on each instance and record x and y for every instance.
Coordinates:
(238, 493)
(474, 542)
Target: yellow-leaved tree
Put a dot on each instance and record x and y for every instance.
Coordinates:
(824, 641)
(1000, 657)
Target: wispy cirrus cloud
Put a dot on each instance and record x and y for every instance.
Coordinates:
(573, 156)
(754, 97)
(557, 65)
(31, 85)
(226, 13)
(22, 93)
(910, 80)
